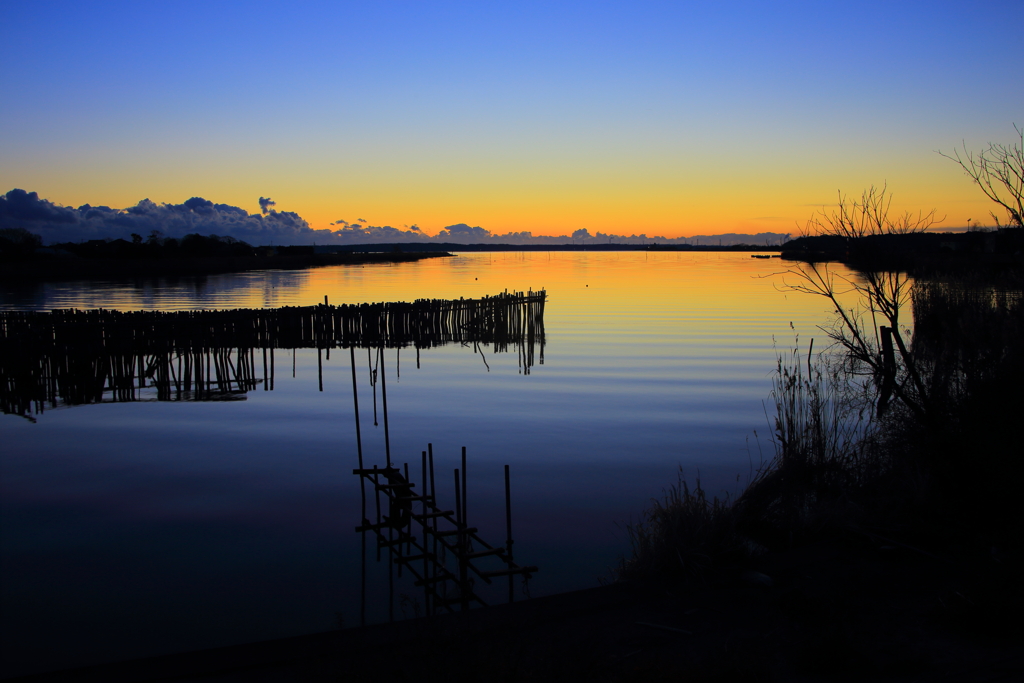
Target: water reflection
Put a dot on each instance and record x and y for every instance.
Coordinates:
(437, 547)
(267, 289)
(138, 528)
(72, 357)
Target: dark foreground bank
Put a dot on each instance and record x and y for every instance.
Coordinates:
(857, 609)
(88, 268)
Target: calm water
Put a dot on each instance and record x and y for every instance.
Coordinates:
(141, 528)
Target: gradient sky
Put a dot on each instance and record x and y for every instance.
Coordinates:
(669, 119)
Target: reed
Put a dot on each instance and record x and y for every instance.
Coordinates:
(824, 448)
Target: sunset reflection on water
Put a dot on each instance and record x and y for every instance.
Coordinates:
(140, 528)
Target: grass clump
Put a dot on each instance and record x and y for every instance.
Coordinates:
(683, 535)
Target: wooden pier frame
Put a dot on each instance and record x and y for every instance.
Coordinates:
(421, 543)
(71, 357)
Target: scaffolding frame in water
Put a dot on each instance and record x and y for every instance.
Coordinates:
(421, 537)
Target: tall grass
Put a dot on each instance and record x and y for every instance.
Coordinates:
(684, 535)
(820, 440)
(824, 449)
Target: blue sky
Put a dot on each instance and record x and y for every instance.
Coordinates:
(665, 118)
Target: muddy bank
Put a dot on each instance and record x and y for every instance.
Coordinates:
(848, 609)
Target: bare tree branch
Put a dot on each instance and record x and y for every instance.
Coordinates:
(877, 293)
(999, 172)
(867, 216)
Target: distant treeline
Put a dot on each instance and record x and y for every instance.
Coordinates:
(23, 258)
(20, 244)
(919, 252)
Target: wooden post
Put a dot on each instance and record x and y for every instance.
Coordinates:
(266, 386)
(355, 402)
(373, 384)
(888, 369)
(384, 403)
(408, 542)
(376, 495)
(430, 461)
(391, 572)
(426, 551)
(362, 488)
(458, 500)
(460, 545)
(508, 535)
(433, 495)
(464, 478)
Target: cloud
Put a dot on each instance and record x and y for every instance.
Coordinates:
(356, 233)
(18, 206)
(55, 223)
(464, 233)
(203, 207)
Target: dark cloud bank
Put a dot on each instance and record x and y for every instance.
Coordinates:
(56, 223)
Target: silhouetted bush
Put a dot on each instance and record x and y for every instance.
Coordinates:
(685, 535)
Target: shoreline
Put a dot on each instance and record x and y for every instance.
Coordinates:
(100, 268)
(875, 611)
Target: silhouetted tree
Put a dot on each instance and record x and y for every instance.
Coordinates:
(19, 239)
(867, 216)
(877, 294)
(999, 172)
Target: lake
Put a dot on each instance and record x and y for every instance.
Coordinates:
(139, 528)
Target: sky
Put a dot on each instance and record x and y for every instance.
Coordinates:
(671, 119)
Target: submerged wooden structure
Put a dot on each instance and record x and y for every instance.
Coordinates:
(70, 357)
(443, 553)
